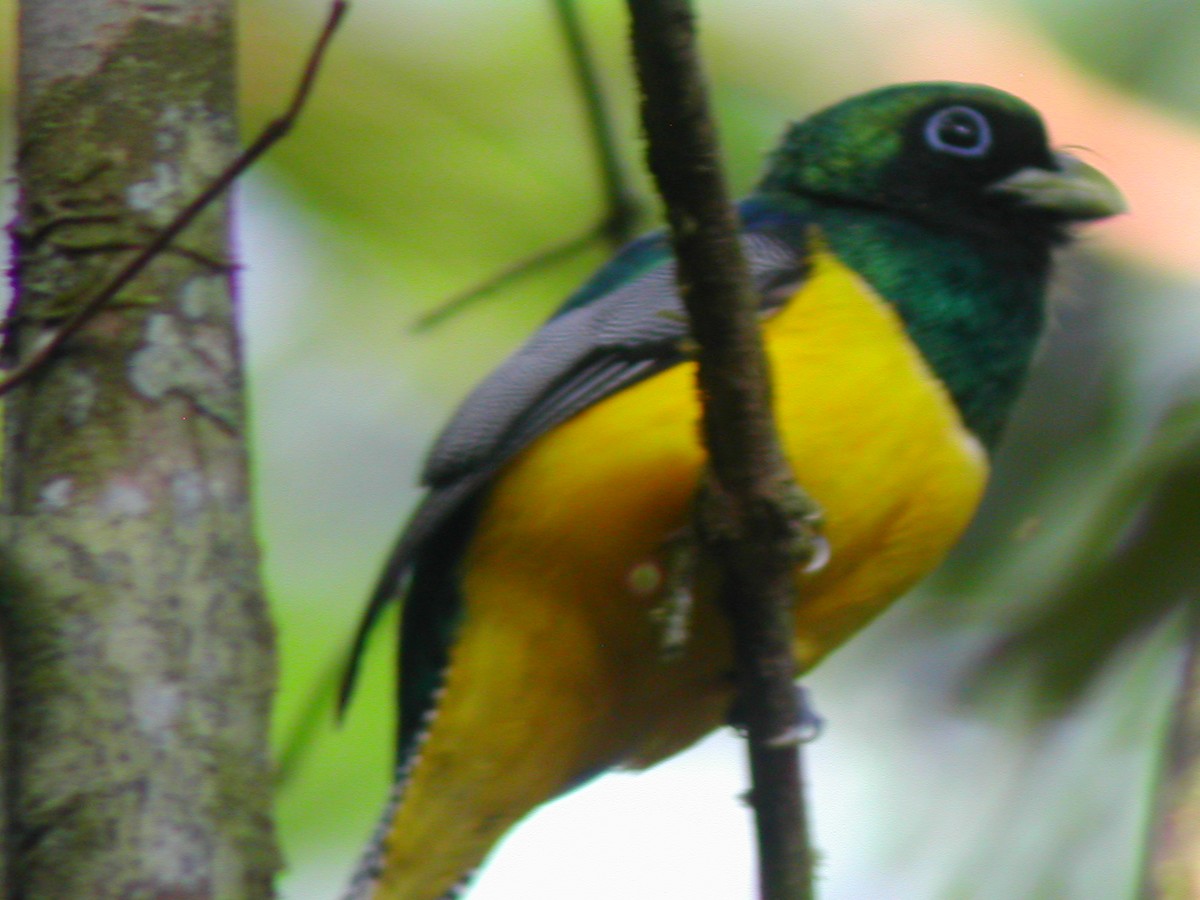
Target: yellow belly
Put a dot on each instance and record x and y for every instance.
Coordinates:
(559, 670)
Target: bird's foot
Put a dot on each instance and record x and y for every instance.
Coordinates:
(805, 727)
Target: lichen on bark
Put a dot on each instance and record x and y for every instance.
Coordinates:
(138, 654)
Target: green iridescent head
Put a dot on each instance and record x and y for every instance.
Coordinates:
(960, 155)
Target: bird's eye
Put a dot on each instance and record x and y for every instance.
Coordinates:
(960, 131)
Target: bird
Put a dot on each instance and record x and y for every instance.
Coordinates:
(900, 243)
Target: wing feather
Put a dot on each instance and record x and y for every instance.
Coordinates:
(585, 353)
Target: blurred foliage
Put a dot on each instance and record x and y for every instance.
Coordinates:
(1147, 51)
(1134, 565)
(999, 728)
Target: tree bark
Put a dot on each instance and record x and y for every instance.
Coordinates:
(138, 653)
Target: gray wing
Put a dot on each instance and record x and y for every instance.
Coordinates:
(578, 358)
(575, 360)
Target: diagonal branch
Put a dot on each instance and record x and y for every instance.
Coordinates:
(271, 134)
(614, 227)
(621, 216)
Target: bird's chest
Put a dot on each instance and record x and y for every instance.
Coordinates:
(573, 543)
(876, 439)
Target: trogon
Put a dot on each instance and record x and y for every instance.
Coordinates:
(900, 243)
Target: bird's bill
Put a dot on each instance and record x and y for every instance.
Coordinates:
(1074, 190)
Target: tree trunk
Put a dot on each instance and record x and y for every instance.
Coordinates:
(139, 657)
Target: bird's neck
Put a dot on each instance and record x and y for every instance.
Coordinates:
(974, 306)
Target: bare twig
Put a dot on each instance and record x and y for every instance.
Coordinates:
(755, 520)
(298, 740)
(616, 225)
(271, 134)
(456, 304)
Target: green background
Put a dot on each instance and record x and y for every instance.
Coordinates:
(996, 734)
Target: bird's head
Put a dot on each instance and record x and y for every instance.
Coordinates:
(952, 155)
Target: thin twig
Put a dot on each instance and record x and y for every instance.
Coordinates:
(557, 253)
(620, 218)
(298, 741)
(754, 519)
(618, 223)
(270, 135)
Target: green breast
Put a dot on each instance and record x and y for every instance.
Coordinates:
(973, 306)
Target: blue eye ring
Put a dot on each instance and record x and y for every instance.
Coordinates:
(959, 131)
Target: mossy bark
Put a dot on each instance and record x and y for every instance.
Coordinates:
(138, 653)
